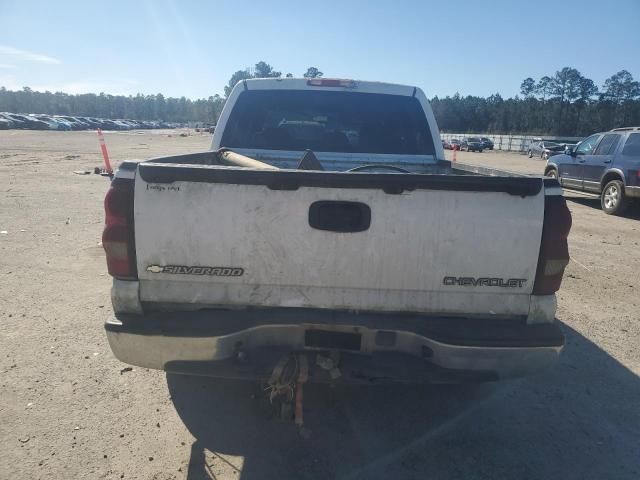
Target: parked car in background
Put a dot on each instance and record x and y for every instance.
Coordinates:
(545, 149)
(604, 163)
(454, 144)
(54, 123)
(129, 124)
(28, 122)
(110, 125)
(445, 144)
(122, 125)
(487, 143)
(85, 123)
(74, 122)
(42, 121)
(15, 123)
(66, 123)
(471, 144)
(43, 118)
(92, 122)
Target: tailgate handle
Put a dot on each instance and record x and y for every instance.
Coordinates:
(339, 216)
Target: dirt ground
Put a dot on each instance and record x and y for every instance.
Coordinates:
(69, 409)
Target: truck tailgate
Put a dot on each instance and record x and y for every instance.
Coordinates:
(209, 235)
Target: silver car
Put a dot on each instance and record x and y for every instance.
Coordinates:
(545, 149)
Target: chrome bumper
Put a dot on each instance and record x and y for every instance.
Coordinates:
(152, 345)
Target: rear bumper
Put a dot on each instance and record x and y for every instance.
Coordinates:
(407, 348)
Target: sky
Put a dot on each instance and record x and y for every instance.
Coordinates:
(191, 48)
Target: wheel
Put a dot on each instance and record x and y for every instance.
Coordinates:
(530, 153)
(613, 199)
(552, 173)
(480, 151)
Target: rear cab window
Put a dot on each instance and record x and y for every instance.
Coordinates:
(325, 121)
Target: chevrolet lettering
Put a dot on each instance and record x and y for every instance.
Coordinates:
(484, 282)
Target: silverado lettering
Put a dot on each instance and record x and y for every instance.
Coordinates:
(485, 282)
(185, 270)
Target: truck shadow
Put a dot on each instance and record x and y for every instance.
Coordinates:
(632, 212)
(579, 420)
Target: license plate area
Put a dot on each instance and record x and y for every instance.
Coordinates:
(333, 340)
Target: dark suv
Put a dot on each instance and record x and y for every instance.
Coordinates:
(471, 144)
(606, 163)
(487, 144)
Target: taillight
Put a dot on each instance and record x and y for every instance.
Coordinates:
(331, 82)
(118, 237)
(554, 250)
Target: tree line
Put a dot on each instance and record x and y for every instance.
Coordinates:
(136, 107)
(566, 103)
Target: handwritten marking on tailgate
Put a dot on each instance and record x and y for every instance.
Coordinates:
(484, 282)
(162, 188)
(186, 270)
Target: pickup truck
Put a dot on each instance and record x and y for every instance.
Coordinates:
(325, 220)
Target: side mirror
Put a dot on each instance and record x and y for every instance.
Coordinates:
(569, 151)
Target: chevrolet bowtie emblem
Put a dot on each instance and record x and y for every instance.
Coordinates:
(155, 268)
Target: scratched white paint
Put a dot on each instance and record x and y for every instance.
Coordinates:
(415, 239)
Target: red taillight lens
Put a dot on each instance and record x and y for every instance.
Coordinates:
(118, 237)
(554, 250)
(331, 82)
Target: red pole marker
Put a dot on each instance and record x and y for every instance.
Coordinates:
(455, 150)
(105, 154)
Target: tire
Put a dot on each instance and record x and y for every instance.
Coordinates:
(530, 153)
(613, 199)
(480, 151)
(552, 173)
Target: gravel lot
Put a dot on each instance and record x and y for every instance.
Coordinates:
(68, 409)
